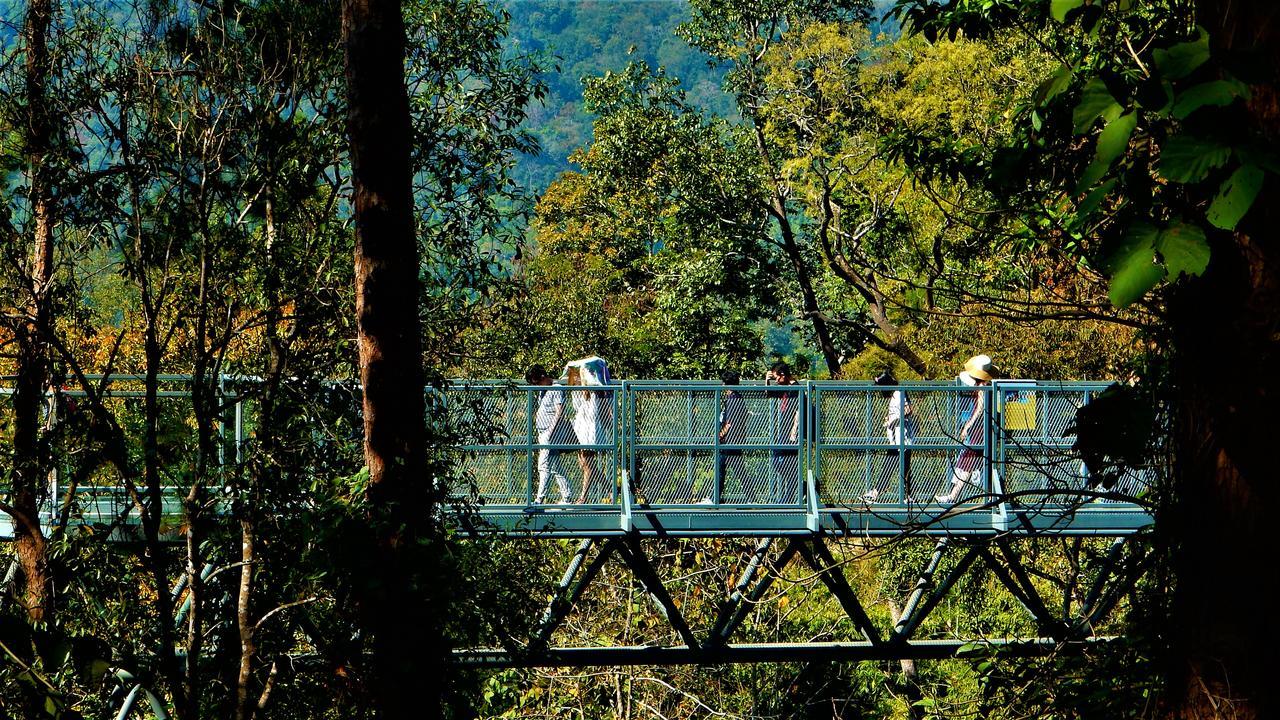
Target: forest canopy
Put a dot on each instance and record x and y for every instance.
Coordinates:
(1080, 189)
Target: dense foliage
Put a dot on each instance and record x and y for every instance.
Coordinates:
(720, 185)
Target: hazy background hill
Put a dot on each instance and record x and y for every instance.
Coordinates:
(589, 37)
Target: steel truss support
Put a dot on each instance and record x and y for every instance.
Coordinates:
(769, 652)
(818, 557)
(1015, 579)
(1113, 580)
(1102, 599)
(633, 555)
(569, 592)
(915, 613)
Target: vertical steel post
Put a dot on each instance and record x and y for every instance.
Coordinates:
(533, 445)
(717, 467)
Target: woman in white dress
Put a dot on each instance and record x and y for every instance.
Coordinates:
(592, 422)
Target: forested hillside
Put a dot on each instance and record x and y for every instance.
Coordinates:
(587, 38)
(252, 252)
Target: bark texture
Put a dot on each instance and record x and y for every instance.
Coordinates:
(31, 458)
(407, 665)
(1226, 335)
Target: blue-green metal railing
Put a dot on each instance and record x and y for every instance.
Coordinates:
(660, 463)
(677, 474)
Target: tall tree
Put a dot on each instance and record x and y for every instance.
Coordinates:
(741, 35)
(1151, 152)
(30, 462)
(406, 682)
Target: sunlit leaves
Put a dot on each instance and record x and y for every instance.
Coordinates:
(1132, 266)
(1060, 8)
(1215, 92)
(1096, 101)
(1235, 197)
(1112, 143)
(1146, 254)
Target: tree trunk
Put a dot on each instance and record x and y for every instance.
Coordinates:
(777, 207)
(1226, 340)
(407, 652)
(30, 458)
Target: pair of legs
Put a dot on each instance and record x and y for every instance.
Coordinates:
(963, 477)
(886, 479)
(786, 475)
(594, 483)
(549, 467)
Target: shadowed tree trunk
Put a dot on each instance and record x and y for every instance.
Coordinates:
(407, 665)
(1226, 335)
(30, 461)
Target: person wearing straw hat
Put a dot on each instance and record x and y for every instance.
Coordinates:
(978, 372)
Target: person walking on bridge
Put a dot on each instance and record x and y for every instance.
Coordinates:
(978, 373)
(592, 422)
(786, 432)
(552, 430)
(733, 431)
(900, 431)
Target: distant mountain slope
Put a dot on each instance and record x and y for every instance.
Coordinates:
(591, 37)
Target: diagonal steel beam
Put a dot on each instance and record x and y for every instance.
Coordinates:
(727, 607)
(733, 612)
(569, 591)
(1019, 585)
(818, 557)
(1117, 591)
(633, 554)
(912, 617)
(1100, 582)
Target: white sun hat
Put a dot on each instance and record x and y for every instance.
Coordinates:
(976, 368)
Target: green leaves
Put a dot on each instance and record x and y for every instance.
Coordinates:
(1132, 265)
(1235, 197)
(1096, 101)
(1181, 59)
(1112, 143)
(1146, 255)
(1055, 84)
(1059, 8)
(1184, 249)
(1216, 92)
(1188, 159)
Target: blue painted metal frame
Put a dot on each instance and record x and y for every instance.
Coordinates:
(1065, 503)
(987, 510)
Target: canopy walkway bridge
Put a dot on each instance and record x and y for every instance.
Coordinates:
(789, 470)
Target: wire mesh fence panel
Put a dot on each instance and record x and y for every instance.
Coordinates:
(1037, 450)
(898, 444)
(540, 444)
(704, 444)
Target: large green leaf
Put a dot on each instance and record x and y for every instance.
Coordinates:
(1214, 92)
(1059, 8)
(1184, 249)
(1055, 84)
(1187, 159)
(1132, 266)
(1179, 60)
(1095, 101)
(1112, 142)
(1236, 196)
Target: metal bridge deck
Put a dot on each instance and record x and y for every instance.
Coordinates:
(699, 459)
